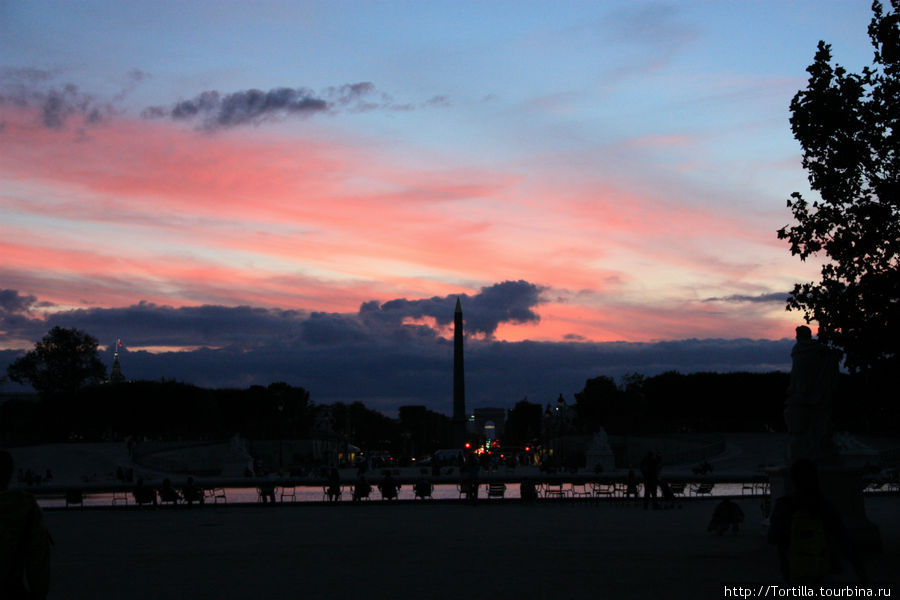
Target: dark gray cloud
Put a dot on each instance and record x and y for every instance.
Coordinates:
(56, 104)
(332, 329)
(59, 103)
(439, 101)
(17, 321)
(506, 302)
(12, 302)
(350, 93)
(213, 110)
(148, 324)
(25, 76)
(385, 374)
(776, 297)
(372, 355)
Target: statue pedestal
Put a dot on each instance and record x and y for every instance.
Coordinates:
(843, 487)
(598, 455)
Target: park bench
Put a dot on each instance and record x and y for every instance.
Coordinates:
(169, 496)
(603, 489)
(144, 495)
(703, 489)
(288, 491)
(677, 488)
(331, 493)
(214, 494)
(579, 490)
(74, 497)
(555, 490)
(423, 489)
(361, 491)
(496, 490)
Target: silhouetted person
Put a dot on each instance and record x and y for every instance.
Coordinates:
(727, 515)
(650, 468)
(143, 494)
(362, 489)
(667, 495)
(267, 489)
(808, 531)
(527, 491)
(807, 409)
(471, 482)
(167, 493)
(388, 487)
(423, 488)
(24, 541)
(631, 484)
(334, 486)
(191, 492)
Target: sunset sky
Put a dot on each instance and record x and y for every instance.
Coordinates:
(579, 172)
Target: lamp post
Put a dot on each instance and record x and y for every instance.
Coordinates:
(280, 436)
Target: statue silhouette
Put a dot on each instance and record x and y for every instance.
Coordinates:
(807, 410)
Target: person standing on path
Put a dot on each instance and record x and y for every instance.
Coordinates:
(24, 541)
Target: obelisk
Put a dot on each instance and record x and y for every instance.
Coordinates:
(459, 380)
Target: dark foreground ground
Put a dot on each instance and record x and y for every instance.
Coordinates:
(374, 551)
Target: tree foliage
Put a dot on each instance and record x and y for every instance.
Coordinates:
(423, 431)
(595, 403)
(61, 363)
(847, 126)
(523, 423)
(672, 402)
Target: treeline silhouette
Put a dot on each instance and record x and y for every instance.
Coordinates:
(636, 404)
(176, 410)
(738, 401)
(673, 401)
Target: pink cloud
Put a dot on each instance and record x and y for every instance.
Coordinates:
(146, 210)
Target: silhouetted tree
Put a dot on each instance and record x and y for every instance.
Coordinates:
(847, 125)
(62, 362)
(424, 430)
(369, 429)
(523, 423)
(594, 403)
(292, 406)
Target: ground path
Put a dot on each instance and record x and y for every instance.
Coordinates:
(426, 550)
